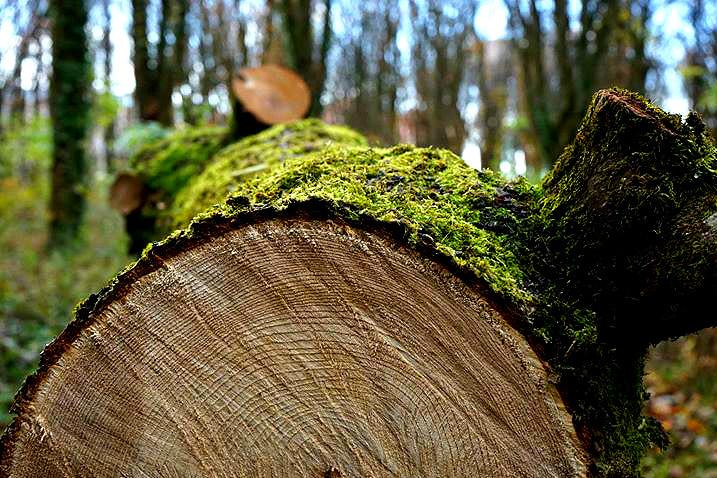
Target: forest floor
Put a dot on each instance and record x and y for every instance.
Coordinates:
(38, 293)
(682, 380)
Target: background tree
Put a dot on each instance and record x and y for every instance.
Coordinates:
(440, 34)
(158, 67)
(700, 71)
(69, 106)
(109, 129)
(560, 67)
(495, 70)
(306, 46)
(367, 76)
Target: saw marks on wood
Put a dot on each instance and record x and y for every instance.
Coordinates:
(297, 348)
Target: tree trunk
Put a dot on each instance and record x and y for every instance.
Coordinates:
(157, 75)
(391, 312)
(69, 107)
(109, 130)
(146, 107)
(306, 51)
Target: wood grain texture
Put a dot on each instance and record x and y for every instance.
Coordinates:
(297, 348)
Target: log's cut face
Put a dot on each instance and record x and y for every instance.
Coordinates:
(272, 93)
(291, 347)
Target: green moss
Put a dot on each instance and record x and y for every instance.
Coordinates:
(467, 215)
(617, 250)
(254, 154)
(626, 258)
(167, 165)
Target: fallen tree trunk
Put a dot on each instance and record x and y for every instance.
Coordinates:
(261, 97)
(391, 312)
(152, 197)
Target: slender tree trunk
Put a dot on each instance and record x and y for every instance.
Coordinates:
(493, 91)
(69, 107)
(164, 80)
(155, 84)
(305, 56)
(109, 131)
(143, 77)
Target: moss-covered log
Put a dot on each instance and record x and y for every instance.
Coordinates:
(391, 312)
(167, 168)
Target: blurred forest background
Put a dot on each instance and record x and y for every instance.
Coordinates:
(504, 83)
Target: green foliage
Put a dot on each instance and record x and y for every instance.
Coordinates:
(38, 290)
(138, 136)
(709, 99)
(105, 108)
(25, 148)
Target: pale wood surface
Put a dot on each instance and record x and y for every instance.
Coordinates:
(126, 193)
(272, 93)
(289, 347)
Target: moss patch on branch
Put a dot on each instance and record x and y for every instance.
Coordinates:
(627, 259)
(626, 208)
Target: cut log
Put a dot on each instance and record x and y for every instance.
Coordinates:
(390, 312)
(289, 346)
(156, 174)
(261, 97)
(265, 96)
(162, 171)
(127, 193)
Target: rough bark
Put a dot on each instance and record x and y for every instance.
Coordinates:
(69, 108)
(392, 312)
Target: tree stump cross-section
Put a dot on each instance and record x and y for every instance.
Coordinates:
(288, 346)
